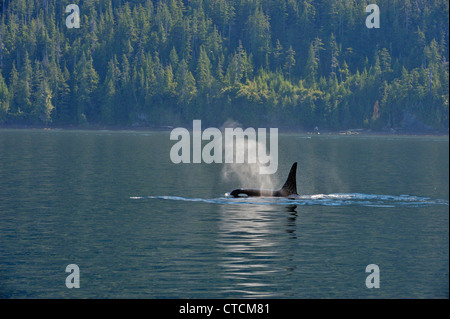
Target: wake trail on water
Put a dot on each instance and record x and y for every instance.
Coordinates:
(339, 199)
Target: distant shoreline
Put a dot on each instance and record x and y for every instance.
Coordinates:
(164, 128)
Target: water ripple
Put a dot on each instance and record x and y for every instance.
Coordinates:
(338, 199)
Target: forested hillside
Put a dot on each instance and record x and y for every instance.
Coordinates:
(283, 63)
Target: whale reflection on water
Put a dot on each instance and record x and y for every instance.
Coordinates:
(252, 244)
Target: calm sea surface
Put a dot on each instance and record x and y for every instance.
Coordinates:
(139, 226)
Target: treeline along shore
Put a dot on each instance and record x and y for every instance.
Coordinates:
(293, 64)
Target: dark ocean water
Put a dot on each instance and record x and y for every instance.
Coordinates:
(139, 226)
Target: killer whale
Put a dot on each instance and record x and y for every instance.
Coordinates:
(289, 188)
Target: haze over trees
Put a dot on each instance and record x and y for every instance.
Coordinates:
(284, 63)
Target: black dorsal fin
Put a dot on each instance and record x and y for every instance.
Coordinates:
(290, 187)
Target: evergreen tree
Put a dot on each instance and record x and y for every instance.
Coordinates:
(44, 106)
(312, 65)
(277, 55)
(334, 55)
(204, 76)
(290, 61)
(258, 27)
(187, 89)
(14, 89)
(4, 99)
(24, 89)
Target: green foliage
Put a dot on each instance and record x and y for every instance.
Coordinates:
(291, 63)
(4, 99)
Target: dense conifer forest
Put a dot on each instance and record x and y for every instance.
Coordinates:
(285, 63)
